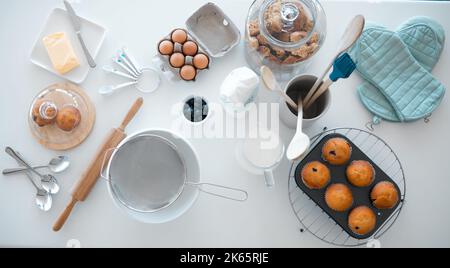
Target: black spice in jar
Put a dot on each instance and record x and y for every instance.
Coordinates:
(196, 109)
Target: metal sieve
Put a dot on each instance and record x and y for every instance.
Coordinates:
(148, 174)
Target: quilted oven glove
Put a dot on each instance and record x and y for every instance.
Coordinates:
(396, 65)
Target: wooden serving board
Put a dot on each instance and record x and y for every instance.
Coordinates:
(63, 94)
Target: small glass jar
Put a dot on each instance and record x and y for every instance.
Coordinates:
(284, 35)
(196, 109)
(48, 110)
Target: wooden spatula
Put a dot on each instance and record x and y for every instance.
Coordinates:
(90, 177)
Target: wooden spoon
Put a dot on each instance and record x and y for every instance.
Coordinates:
(272, 84)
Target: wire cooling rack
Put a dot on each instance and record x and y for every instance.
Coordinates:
(315, 221)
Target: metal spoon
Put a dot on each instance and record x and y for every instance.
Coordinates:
(49, 182)
(272, 84)
(56, 165)
(351, 35)
(43, 199)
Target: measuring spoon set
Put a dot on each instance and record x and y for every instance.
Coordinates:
(125, 65)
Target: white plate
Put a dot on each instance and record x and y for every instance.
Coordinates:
(59, 21)
(189, 194)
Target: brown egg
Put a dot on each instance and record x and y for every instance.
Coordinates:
(201, 61)
(177, 60)
(190, 48)
(166, 47)
(188, 73)
(179, 36)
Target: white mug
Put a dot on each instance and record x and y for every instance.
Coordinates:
(302, 84)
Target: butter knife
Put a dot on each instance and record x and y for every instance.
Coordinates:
(76, 23)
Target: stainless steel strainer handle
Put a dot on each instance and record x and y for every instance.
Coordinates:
(230, 189)
(102, 170)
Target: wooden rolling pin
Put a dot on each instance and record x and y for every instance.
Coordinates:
(90, 177)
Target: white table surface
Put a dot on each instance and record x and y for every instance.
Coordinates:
(266, 219)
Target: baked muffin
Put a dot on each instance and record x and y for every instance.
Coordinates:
(337, 151)
(44, 113)
(360, 173)
(384, 195)
(316, 175)
(362, 220)
(339, 197)
(68, 118)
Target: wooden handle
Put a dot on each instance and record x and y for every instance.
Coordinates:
(132, 113)
(92, 173)
(289, 100)
(323, 88)
(319, 80)
(64, 215)
(90, 177)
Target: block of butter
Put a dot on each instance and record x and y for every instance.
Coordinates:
(61, 52)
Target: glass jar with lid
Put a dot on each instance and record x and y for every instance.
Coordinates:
(284, 35)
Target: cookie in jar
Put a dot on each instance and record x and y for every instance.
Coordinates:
(283, 34)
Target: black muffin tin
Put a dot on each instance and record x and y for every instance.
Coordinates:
(361, 196)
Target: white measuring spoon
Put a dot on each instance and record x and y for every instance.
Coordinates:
(131, 60)
(110, 69)
(119, 62)
(121, 56)
(301, 142)
(351, 35)
(109, 90)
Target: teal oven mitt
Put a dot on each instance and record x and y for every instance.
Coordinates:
(397, 65)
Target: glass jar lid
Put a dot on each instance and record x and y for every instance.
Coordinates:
(288, 23)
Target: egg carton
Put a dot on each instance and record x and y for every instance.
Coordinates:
(163, 61)
(213, 31)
